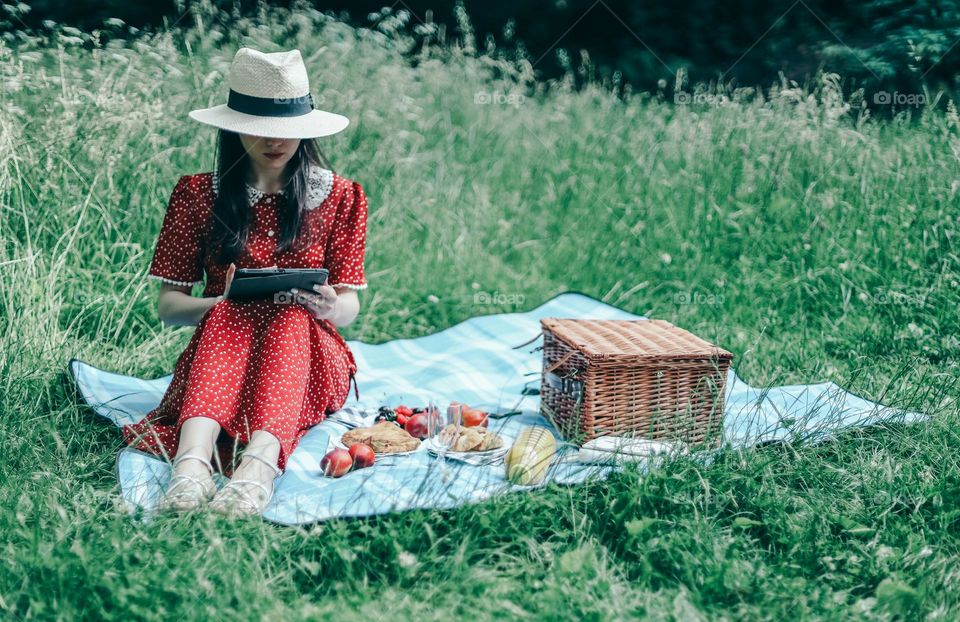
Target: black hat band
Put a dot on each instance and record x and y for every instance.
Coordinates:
(270, 106)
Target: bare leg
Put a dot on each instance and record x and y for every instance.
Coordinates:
(264, 445)
(197, 438)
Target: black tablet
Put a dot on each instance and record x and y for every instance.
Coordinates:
(264, 283)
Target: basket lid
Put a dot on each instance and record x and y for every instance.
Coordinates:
(630, 340)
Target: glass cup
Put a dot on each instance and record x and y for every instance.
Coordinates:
(435, 422)
(454, 417)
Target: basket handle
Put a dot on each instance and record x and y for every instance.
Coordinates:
(560, 361)
(529, 341)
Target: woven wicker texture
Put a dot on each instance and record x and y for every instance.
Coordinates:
(644, 378)
(269, 74)
(627, 340)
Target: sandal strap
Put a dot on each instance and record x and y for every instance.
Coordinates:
(205, 461)
(245, 496)
(273, 467)
(177, 480)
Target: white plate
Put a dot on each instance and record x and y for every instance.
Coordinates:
(435, 447)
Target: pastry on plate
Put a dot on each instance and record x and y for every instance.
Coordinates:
(469, 439)
(383, 438)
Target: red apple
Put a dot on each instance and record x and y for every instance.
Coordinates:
(362, 455)
(337, 463)
(417, 426)
(473, 418)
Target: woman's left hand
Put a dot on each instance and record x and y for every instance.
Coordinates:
(321, 302)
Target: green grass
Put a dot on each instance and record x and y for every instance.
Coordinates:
(810, 239)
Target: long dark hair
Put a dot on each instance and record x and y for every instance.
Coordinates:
(231, 209)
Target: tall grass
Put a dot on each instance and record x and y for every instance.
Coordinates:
(792, 228)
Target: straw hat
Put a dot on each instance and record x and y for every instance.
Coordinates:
(270, 96)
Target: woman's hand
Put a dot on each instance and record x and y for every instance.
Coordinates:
(321, 302)
(229, 281)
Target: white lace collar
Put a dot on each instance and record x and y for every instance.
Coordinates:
(319, 186)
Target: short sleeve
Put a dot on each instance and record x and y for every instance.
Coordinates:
(177, 257)
(346, 245)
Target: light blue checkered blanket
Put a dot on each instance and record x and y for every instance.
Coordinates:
(474, 362)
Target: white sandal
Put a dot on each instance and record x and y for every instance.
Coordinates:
(195, 494)
(235, 493)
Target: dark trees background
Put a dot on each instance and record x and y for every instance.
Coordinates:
(882, 45)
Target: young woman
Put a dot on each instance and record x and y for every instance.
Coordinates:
(255, 374)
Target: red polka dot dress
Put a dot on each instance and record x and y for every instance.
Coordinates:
(257, 365)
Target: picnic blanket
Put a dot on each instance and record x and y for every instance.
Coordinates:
(475, 362)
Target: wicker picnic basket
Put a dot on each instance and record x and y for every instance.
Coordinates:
(642, 378)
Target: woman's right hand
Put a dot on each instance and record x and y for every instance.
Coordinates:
(229, 280)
